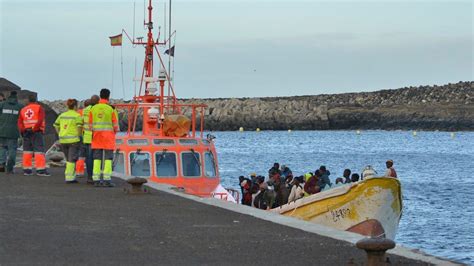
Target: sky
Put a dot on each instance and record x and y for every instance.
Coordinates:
(232, 48)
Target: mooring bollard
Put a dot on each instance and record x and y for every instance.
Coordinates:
(137, 187)
(375, 248)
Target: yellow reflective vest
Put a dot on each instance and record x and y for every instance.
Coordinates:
(67, 124)
(103, 120)
(87, 132)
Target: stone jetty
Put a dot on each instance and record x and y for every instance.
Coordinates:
(446, 107)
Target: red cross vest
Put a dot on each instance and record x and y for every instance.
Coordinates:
(30, 116)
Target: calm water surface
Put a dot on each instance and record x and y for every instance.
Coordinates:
(436, 171)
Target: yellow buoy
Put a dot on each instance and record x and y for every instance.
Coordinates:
(241, 129)
(258, 129)
(414, 133)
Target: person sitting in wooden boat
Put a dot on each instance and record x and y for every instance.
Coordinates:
(281, 191)
(265, 197)
(346, 177)
(390, 170)
(297, 191)
(355, 177)
(245, 185)
(255, 186)
(311, 185)
(274, 169)
(285, 171)
(307, 176)
(324, 181)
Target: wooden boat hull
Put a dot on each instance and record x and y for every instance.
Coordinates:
(371, 207)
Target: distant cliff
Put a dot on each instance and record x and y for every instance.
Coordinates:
(447, 107)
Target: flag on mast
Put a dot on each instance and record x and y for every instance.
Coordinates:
(170, 51)
(116, 40)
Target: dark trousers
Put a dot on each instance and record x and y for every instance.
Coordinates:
(71, 151)
(87, 152)
(33, 141)
(8, 153)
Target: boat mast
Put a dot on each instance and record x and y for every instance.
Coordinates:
(149, 46)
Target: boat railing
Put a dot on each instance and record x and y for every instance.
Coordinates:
(134, 110)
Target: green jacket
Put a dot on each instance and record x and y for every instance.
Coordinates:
(9, 111)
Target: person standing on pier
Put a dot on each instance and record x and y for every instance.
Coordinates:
(9, 111)
(81, 161)
(69, 128)
(31, 123)
(103, 120)
(86, 151)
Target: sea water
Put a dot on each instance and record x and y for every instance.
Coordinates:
(436, 170)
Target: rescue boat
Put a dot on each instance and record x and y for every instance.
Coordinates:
(158, 141)
(163, 141)
(371, 207)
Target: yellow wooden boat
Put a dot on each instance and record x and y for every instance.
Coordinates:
(371, 207)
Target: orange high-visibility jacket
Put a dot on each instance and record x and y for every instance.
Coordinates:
(103, 120)
(32, 116)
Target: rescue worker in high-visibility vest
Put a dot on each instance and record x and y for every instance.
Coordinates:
(80, 164)
(31, 123)
(69, 128)
(103, 120)
(87, 138)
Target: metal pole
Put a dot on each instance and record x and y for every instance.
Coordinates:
(169, 54)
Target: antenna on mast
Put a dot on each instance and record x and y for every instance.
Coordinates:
(169, 49)
(133, 35)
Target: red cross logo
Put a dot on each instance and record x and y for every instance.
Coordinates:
(65, 126)
(29, 114)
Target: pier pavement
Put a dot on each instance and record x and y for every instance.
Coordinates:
(45, 221)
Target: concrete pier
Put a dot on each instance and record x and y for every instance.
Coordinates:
(45, 221)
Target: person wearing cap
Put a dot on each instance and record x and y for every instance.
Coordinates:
(9, 112)
(68, 125)
(265, 198)
(297, 191)
(390, 170)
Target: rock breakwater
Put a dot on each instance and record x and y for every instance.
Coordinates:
(446, 107)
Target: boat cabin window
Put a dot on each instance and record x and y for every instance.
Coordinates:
(163, 142)
(119, 163)
(166, 164)
(118, 141)
(209, 164)
(140, 164)
(191, 164)
(188, 141)
(137, 142)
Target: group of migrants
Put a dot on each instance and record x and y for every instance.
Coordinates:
(86, 136)
(282, 187)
